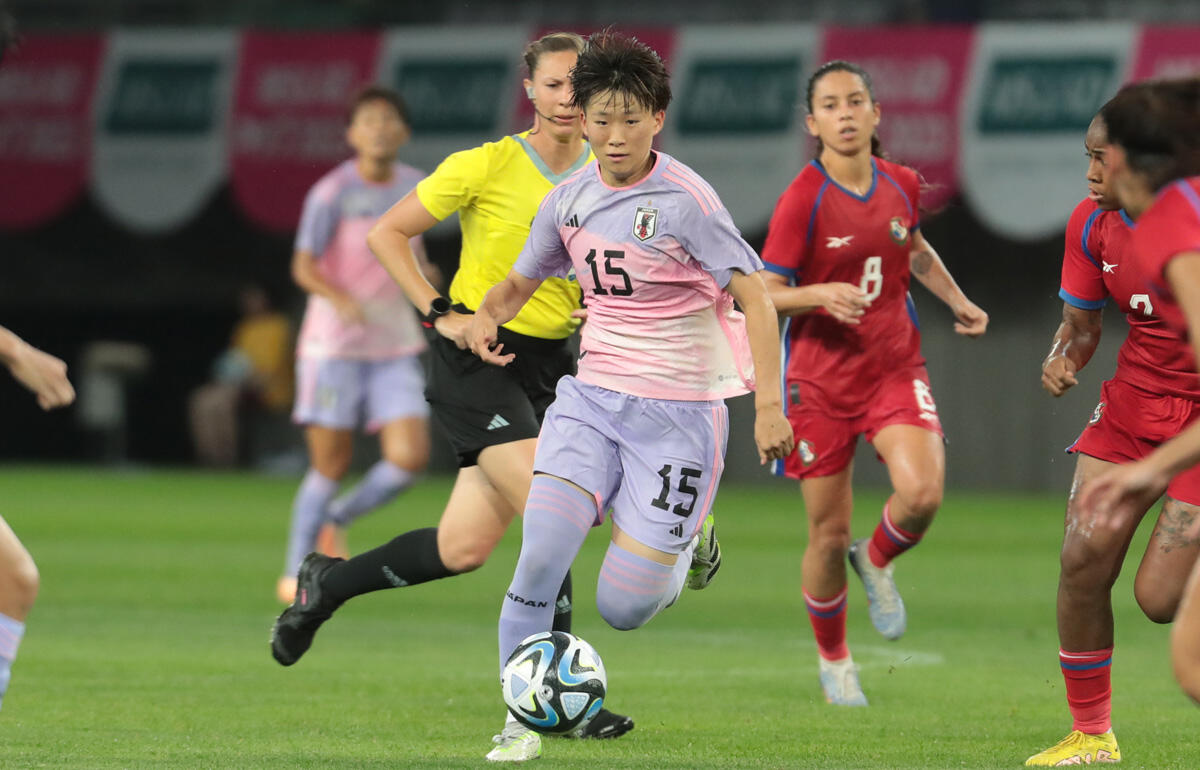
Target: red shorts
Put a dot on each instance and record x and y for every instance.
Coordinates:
(825, 444)
(1129, 423)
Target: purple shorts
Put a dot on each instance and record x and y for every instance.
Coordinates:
(655, 463)
(345, 393)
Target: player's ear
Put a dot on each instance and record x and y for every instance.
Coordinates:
(877, 111)
(811, 124)
(528, 88)
(659, 117)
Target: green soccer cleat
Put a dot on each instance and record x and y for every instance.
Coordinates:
(515, 743)
(706, 559)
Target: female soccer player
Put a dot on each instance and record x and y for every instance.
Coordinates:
(46, 377)
(642, 428)
(357, 351)
(490, 415)
(842, 244)
(1151, 397)
(1154, 160)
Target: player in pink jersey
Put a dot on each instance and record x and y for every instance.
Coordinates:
(357, 352)
(1152, 396)
(842, 244)
(1154, 162)
(642, 428)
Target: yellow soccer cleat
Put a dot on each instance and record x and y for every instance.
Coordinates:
(1078, 748)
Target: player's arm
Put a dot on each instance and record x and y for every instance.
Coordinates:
(844, 301)
(772, 432)
(1073, 346)
(41, 372)
(923, 261)
(1113, 495)
(309, 278)
(500, 305)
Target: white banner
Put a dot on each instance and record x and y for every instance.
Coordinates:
(1032, 90)
(735, 117)
(161, 120)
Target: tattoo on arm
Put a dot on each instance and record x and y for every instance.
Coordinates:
(920, 262)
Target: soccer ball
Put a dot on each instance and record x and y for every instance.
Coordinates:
(554, 682)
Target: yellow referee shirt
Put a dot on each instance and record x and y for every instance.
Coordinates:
(496, 189)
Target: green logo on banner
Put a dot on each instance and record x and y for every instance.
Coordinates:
(1027, 95)
(453, 97)
(740, 96)
(165, 97)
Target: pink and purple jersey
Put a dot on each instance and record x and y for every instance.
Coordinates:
(1170, 227)
(822, 232)
(339, 211)
(1098, 263)
(652, 260)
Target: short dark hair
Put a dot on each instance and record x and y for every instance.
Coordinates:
(620, 64)
(377, 93)
(1157, 123)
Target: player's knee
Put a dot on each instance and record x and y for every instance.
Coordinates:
(413, 459)
(1159, 605)
(23, 581)
(922, 502)
(459, 554)
(1083, 566)
(831, 540)
(619, 609)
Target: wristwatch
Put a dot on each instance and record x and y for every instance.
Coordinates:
(438, 308)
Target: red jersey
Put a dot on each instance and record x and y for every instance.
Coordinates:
(1099, 263)
(1170, 227)
(823, 233)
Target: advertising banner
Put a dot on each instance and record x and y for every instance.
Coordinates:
(1168, 52)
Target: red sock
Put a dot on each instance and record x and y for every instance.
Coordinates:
(1089, 688)
(828, 618)
(889, 541)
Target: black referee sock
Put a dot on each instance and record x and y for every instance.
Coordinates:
(562, 606)
(406, 560)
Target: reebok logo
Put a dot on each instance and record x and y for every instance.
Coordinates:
(497, 423)
(836, 242)
(572, 222)
(1109, 267)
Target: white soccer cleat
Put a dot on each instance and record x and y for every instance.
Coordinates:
(839, 680)
(515, 743)
(886, 607)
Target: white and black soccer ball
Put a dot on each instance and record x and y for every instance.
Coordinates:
(554, 682)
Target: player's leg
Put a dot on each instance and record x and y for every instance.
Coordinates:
(1185, 638)
(1090, 562)
(1170, 555)
(18, 589)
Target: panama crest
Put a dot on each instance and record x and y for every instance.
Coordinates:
(1097, 413)
(807, 455)
(645, 223)
(898, 231)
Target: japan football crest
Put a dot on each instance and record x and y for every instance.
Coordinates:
(645, 223)
(898, 231)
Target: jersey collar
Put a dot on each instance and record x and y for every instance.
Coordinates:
(541, 166)
(865, 197)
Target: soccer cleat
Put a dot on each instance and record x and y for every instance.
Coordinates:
(1078, 748)
(293, 632)
(605, 724)
(515, 743)
(839, 680)
(885, 605)
(706, 559)
(331, 540)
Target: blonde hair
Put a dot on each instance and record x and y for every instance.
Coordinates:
(551, 43)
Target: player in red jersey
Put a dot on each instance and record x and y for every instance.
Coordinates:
(1152, 396)
(1154, 130)
(842, 244)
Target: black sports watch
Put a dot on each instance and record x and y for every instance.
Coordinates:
(438, 308)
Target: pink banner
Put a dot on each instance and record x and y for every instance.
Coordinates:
(1168, 52)
(289, 116)
(46, 90)
(918, 74)
(661, 39)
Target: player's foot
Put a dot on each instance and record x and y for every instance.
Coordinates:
(886, 606)
(1078, 748)
(293, 632)
(839, 680)
(331, 540)
(605, 724)
(706, 559)
(515, 743)
(285, 589)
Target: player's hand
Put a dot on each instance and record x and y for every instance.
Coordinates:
(453, 326)
(1058, 375)
(580, 313)
(43, 374)
(349, 310)
(773, 434)
(481, 336)
(844, 301)
(969, 319)
(1112, 498)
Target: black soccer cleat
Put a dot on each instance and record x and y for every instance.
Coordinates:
(293, 632)
(605, 724)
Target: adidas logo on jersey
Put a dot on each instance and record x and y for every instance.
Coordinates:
(572, 222)
(497, 423)
(677, 530)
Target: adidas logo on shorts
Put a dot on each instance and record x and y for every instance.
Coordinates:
(497, 423)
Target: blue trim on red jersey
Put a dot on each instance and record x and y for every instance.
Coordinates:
(777, 466)
(1082, 304)
(812, 215)
(1086, 666)
(784, 271)
(1190, 193)
(865, 197)
(896, 184)
(1087, 230)
(912, 310)
(1129, 222)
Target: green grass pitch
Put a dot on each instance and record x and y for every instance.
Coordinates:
(148, 645)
